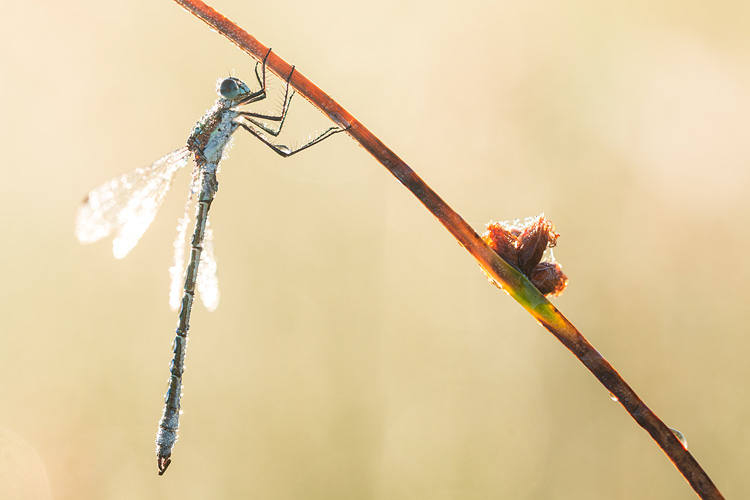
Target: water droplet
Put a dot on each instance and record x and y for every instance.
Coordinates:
(680, 436)
(284, 149)
(613, 397)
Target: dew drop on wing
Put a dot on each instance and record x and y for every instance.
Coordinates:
(126, 205)
(284, 149)
(177, 270)
(207, 283)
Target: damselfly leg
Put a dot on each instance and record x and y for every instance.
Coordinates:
(253, 121)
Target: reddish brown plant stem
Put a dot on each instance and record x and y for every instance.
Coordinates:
(511, 280)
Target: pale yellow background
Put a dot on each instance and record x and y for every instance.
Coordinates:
(358, 351)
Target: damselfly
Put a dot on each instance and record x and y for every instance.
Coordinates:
(126, 206)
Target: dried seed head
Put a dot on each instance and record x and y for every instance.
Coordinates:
(523, 244)
(502, 241)
(533, 242)
(548, 278)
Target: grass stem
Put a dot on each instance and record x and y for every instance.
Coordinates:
(512, 281)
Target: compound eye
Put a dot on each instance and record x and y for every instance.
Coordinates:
(229, 88)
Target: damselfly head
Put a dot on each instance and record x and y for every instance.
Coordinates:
(232, 88)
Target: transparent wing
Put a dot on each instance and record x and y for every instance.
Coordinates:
(177, 271)
(207, 282)
(128, 204)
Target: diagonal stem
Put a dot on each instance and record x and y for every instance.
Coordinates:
(513, 282)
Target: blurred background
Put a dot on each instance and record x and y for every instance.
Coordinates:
(358, 351)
